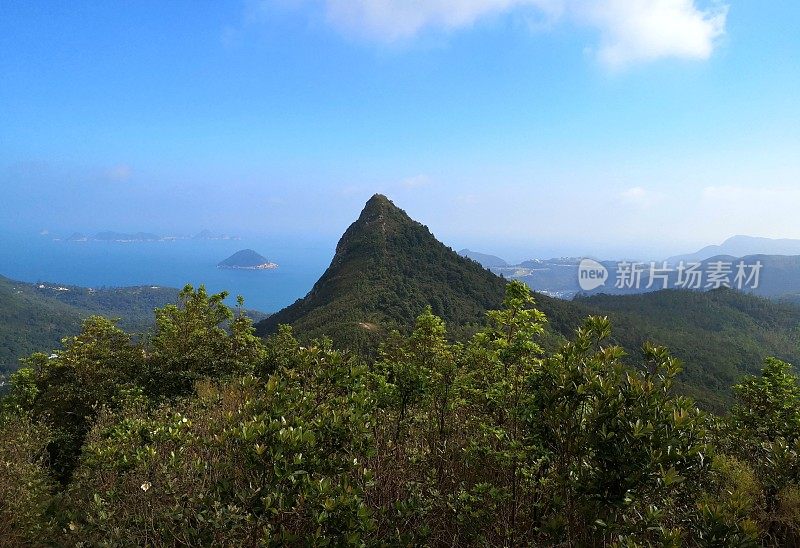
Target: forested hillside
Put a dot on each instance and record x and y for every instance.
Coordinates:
(34, 317)
(719, 335)
(388, 268)
(539, 422)
(205, 434)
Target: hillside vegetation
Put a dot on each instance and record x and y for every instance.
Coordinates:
(205, 434)
(34, 317)
(719, 335)
(539, 422)
(388, 268)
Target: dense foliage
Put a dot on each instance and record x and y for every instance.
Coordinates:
(37, 316)
(205, 434)
(719, 335)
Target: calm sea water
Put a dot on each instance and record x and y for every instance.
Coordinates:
(174, 264)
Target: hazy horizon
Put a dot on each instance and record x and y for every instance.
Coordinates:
(324, 244)
(526, 128)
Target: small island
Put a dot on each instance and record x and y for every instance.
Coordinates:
(247, 259)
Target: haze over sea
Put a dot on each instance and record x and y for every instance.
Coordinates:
(34, 258)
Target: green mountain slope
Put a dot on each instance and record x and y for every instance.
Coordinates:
(386, 269)
(34, 317)
(719, 335)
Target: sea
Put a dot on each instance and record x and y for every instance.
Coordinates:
(173, 263)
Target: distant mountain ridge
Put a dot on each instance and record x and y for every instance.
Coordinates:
(779, 271)
(741, 246)
(208, 235)
(778, 276)
(487, 261)
(109, 236)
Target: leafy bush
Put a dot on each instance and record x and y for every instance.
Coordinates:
(276, 460)
(26, 489)
(205, 434)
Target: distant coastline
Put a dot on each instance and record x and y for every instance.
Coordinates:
(138, 237)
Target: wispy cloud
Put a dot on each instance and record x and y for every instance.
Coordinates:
(630, 31)
(394, 20)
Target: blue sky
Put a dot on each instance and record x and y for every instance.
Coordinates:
(526, 127)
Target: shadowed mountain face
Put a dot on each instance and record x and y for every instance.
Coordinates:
(386, 269)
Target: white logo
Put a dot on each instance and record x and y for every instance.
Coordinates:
(591, 274)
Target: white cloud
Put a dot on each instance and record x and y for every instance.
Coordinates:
(631, 31)
(644, 30)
